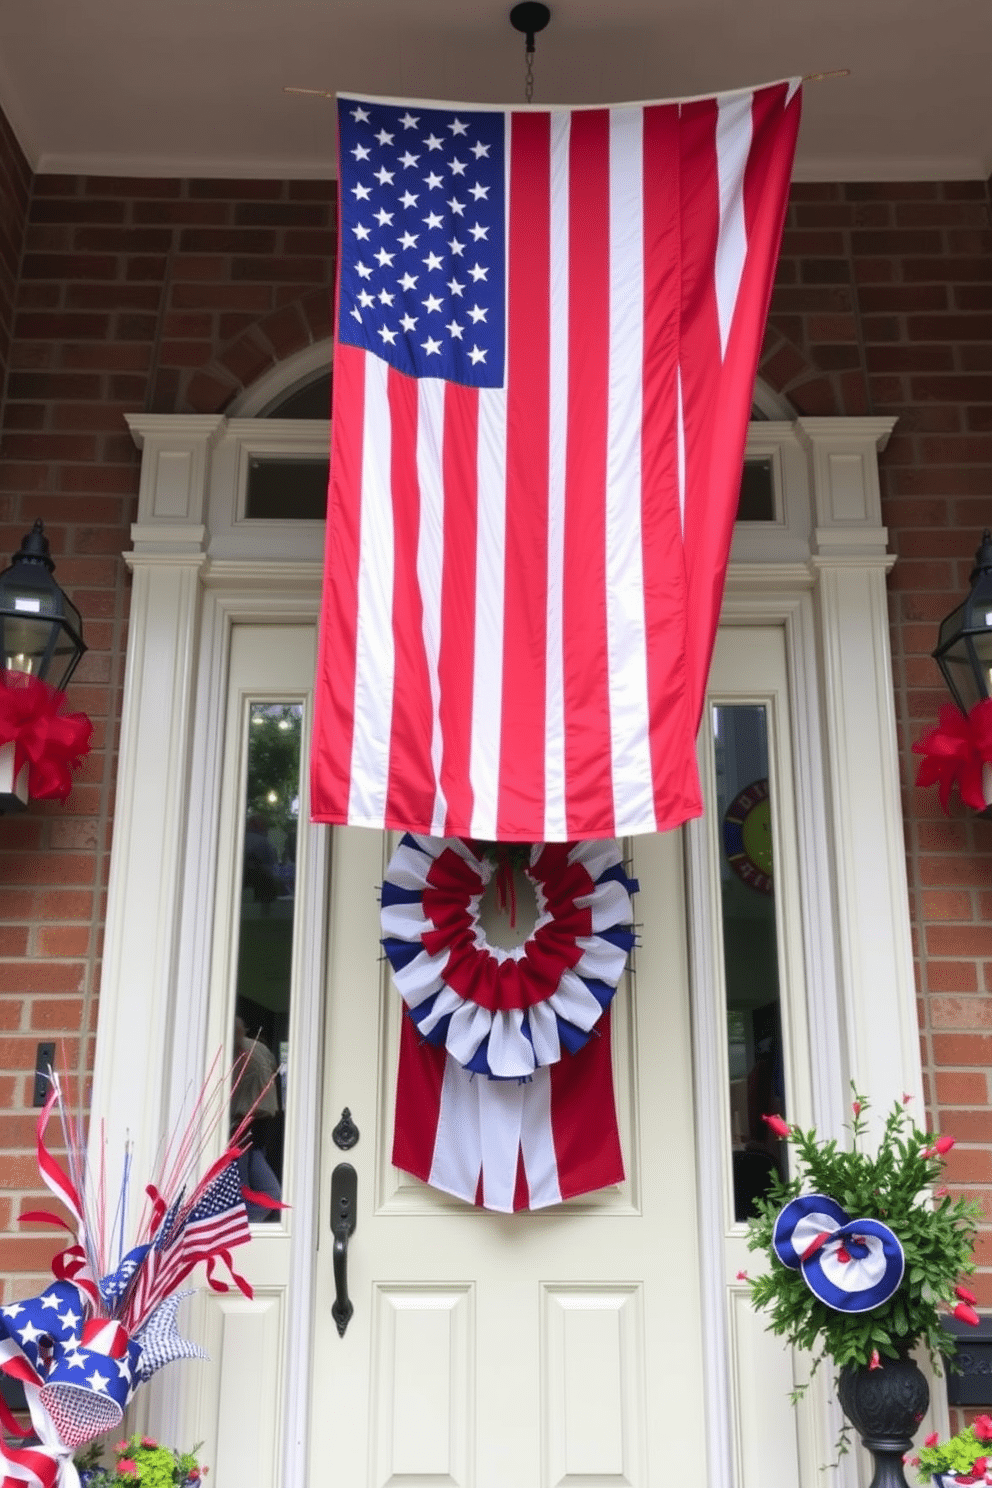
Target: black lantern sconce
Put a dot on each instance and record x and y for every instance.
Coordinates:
(41, 638)
(41, 631)
(964, 643)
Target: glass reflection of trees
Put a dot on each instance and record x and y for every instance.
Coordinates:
(750, 942)
(265, 948)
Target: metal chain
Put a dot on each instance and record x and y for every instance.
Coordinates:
(529, 78)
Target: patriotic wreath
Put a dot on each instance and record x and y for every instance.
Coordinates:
(500, 1012)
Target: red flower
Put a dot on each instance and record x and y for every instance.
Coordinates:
(966, 1314)
(965, 1296)
(149, 1442)
(875, 1362)
(742, 1276)
(127, 1466)
(943, 1145)
(778, 1126)
(932, 1439)
(983, 1428)
(194, 1473)
(856, 1107)
(979, 1464)
(906, 1099)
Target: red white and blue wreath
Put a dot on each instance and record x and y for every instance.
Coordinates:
(507, 1012)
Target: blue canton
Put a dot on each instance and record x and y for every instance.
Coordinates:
(423, 228)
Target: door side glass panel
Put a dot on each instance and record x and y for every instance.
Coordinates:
(755, 1056)
(265, 941)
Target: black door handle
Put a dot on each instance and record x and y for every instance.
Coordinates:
(344, 1195)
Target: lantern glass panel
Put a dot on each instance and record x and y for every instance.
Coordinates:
(956, 665)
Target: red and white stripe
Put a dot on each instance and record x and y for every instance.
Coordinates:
(523, 583)
(508, 1144)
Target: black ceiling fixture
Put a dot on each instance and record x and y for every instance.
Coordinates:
(529, 17)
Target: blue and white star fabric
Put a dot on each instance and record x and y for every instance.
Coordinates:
(853, 1265)
(160, 1339)
(423, 230)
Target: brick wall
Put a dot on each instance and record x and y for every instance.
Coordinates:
(161, 295)
(15, 185)
(172, 296)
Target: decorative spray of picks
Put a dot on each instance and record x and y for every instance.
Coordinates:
(108, 1321)
(863, 1253)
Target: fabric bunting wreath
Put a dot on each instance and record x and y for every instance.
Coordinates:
(850, 1264)
(504, 1091)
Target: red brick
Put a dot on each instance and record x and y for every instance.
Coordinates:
(957, 1088)
(952, 976)
(56, 1014)
(961, 1012)
(968, 1126)
(965, 1050)
(968, 1165)
(21, 1253)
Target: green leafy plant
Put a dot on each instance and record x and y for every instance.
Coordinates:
(139, 1462)
(967, 1456)
(896, 1186)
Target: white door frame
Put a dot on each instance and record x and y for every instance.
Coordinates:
(199, 567)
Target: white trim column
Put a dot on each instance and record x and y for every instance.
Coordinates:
(134, 1033)
(850, 560)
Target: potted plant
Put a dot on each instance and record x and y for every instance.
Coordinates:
(865, 1250)
(964, 1458)
(139, 1462)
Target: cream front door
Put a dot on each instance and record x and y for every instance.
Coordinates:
(509, 1351)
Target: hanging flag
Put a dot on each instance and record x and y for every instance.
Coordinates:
(548, 326)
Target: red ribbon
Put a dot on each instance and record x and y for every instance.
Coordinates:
(50, 741)
(955, 751)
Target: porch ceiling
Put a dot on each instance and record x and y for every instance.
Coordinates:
(195, 87)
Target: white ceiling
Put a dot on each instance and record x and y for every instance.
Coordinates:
(195, 87)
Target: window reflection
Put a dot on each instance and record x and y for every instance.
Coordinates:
(747, 892)
(265, 946)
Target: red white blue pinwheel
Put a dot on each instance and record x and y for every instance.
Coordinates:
(853, 1265)
(498, 1012)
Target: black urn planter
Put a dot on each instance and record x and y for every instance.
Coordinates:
(885, 1406)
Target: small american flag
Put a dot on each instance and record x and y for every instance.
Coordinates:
(215, 1222)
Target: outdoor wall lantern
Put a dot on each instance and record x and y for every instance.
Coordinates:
(964, 644)
(41, 642)
(958, 752)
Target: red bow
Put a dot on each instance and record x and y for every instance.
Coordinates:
(51, 742)
(955, 752)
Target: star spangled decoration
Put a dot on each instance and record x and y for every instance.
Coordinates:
(105, 1325)
(423, 239)
(161, 1341)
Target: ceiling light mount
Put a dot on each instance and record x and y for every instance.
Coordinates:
(529, 17)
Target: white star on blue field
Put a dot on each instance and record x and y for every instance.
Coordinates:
(423, 230)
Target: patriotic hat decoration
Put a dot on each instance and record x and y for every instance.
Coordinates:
(84, 1346)
(506, 1012)
(853, 1265)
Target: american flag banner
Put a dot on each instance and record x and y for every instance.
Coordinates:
(548, 326)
